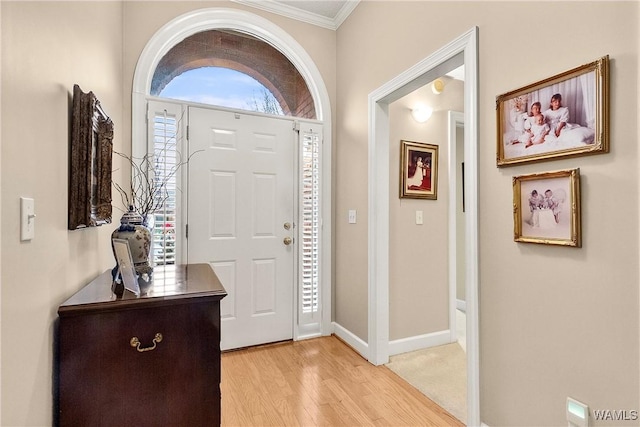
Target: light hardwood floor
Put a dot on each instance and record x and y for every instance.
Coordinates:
(319, 382)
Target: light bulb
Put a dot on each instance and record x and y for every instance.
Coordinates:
(421, 114)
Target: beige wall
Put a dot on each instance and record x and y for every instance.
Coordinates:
(570, 331)
(554, 322)
(418, 257)
(46, 48)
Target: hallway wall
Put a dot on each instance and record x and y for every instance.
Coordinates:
(418, 256)
(46, 48)
(554, 321)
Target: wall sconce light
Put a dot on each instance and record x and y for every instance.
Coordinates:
(437, 86)
(421, 114)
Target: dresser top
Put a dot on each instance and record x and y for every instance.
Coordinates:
(170, 285)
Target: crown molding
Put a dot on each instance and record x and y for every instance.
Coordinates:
(344, 13)
(301, 15)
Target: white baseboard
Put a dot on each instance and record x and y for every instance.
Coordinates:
(461, 305)
(352, 340)
(419, 342)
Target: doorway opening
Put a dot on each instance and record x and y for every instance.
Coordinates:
(463, 50)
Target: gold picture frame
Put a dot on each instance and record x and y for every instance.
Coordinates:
(579, 98)
(546, 208)
(418, 170)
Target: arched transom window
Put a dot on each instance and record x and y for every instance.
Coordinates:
(271, 83)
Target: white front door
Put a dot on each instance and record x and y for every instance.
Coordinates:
(240, 212)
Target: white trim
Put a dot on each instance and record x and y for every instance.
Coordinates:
(304, 332)
(344, 13)
(351, 339)
(472, 279)
(1, 204)
(302, 15)
(461, 305)
(378, 229)
(213, 18)
(455, 119)
(220, 18)
(378, 225)
(419, 342)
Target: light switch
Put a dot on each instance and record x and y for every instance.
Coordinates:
(27, 218)
(352, 216)
(419, 217)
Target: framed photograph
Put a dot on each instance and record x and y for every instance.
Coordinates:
(564, 115)
(126, 268)
(418, 170)
(546, 208)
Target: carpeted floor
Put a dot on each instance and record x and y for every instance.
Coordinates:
(438, 372)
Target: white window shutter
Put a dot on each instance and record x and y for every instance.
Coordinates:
(310, 224)
(166, 143)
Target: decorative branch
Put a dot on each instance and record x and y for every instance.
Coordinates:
(151, 176)
(148, 190)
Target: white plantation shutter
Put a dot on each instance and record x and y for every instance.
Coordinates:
(310, 224)
(165, 129)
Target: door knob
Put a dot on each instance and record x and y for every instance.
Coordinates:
(287, 240)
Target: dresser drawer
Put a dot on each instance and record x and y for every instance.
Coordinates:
(105, 381)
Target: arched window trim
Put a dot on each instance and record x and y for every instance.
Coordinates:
(219, 18)
(222, 18)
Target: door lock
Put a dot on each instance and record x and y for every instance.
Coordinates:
(287, 226)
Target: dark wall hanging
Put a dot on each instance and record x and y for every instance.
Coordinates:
(89, 162)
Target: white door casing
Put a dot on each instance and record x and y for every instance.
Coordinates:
(241, 195)
(466, 47)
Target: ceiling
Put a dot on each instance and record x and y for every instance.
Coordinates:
(324, 13)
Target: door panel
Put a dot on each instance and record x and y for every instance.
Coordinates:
(241, 192)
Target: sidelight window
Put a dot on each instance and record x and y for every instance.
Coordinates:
(310, 225)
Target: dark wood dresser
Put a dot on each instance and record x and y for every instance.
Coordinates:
(152, 360)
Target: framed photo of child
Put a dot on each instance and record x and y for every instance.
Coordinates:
(418, 170)
(546, 208)
(563, 115)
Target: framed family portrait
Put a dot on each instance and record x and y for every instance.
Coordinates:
(563, 115)
(418, 170)
(546, 208)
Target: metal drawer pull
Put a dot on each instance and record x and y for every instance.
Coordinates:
(135, 342)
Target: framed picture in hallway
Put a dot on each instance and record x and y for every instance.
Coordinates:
(564, 115)
(546, 208)
(418, 170)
